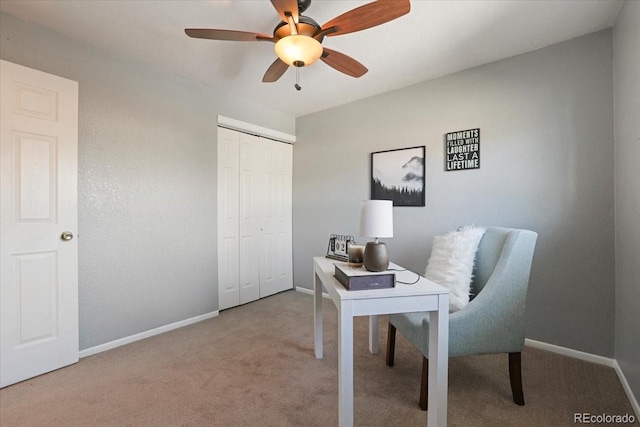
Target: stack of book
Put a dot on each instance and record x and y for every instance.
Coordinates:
(357, 278)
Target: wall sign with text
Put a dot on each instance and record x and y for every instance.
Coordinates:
(462, 150)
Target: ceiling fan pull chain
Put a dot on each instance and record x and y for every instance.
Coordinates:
(297, 85)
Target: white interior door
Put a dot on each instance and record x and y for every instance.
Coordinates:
(38, 178)
(228, 218)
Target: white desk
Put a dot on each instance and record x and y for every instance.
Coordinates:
(423, 296)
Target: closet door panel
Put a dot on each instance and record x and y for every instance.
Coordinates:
(249, 227)
(277, 256)
(269, 249)
(285, 173)
(228, 217)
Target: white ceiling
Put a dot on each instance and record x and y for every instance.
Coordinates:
(435, 39)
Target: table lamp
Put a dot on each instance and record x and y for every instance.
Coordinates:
(376, 220)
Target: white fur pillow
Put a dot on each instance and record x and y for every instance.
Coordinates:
(451, 263)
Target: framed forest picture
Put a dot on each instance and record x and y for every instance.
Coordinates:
(398, 175)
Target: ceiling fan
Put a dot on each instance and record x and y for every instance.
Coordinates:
(298, 39)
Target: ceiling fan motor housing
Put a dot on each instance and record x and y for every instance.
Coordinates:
(303, 5)
(306, 27)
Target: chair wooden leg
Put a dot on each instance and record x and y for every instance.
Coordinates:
(391, 344)
(424, 384)
(515, 374)
(424, 380)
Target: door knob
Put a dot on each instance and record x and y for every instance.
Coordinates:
(66, 235)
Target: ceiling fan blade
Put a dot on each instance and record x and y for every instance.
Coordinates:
(367, 16)
(275, 71)
(284, 6)
(343, 63)
(238, 36)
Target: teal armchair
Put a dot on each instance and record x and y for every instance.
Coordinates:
(493, 322)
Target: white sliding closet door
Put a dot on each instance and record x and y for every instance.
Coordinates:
(254, 217)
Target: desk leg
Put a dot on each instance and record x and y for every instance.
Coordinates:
(345, 364)
(373, 334)
(317, 314)
(438, 363)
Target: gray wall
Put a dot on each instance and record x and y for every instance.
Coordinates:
(546, 120)
(626, 72)
(147, 179)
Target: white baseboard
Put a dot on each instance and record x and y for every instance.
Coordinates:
(310, 292)
(601, 360)
(627, 389)
(576, 354)
(146, 334)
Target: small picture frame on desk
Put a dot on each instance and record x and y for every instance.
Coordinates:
(338, 247)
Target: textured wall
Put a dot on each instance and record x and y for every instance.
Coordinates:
(147, 180)
(626, 72)
(546, 122)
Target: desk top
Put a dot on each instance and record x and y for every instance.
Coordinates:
(422, 287)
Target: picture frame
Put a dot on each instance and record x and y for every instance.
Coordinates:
(399, 175)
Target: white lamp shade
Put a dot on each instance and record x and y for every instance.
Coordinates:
(298, 48)
(376, 218)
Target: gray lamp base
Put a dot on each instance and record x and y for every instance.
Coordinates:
(376, 257)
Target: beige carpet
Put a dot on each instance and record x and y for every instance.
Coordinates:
(254, 366)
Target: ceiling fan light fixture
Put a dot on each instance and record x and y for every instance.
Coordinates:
(298, 50)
